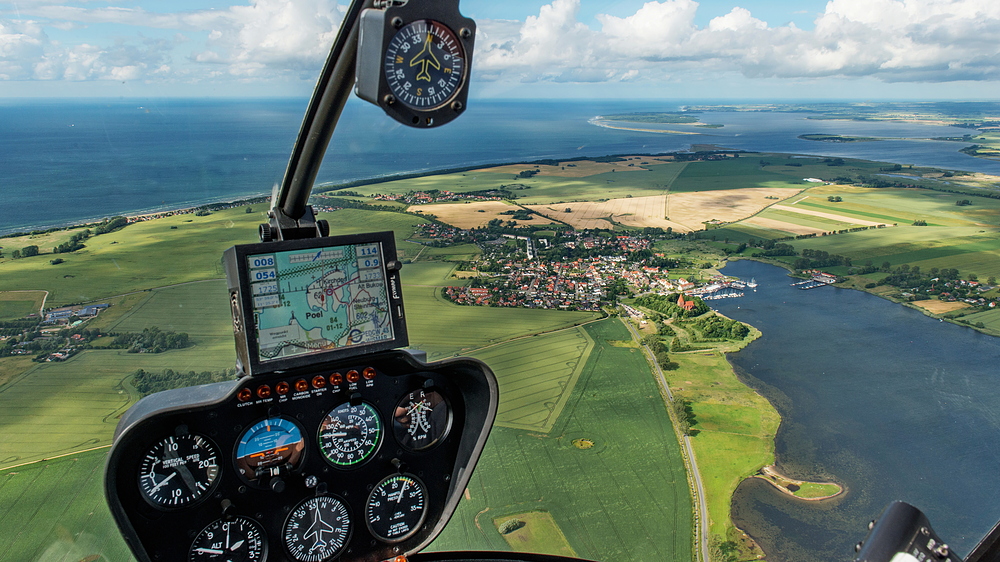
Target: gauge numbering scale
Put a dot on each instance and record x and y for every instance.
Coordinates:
(414, 61)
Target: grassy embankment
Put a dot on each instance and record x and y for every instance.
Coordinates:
(73, 406)
(732, 428)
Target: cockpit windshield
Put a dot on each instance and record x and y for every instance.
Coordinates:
(718, 279)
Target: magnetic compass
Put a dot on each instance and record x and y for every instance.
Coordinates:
(178, 470)
(414, 61)
(424, 64)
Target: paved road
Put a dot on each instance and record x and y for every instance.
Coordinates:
(692, 463)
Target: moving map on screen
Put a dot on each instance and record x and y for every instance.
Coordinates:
(319, 299)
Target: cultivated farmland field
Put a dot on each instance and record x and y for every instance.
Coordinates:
(56, 511)
(537, 375)
(615, 404)
(18, 304)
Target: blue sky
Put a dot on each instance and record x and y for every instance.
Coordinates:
(669, 49)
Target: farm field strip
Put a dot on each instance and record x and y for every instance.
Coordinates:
(537, 376)
(825, 215)
(803, 219)
(779, 225)
(645, 515)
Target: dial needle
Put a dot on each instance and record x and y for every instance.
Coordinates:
(162, 482)
(208, 551)
(236, 545)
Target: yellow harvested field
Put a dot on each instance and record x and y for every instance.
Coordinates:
(841, 218)
(577, 168)
(468, 215)
(687, 211)
(935, 306)
(781, 225)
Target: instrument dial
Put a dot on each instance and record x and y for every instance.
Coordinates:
(317, 529)
(235, 540)
(396, 508)
(425, 64)
(178, 470)
(271, 447)
(350, 434)
(421, 419)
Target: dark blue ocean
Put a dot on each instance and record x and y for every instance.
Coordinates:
(66, 162)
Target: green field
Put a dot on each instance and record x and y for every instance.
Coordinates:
(56, 511)
(150, 254)
(539, 533)
(443, 329)
(645, 515)
(537, 375)
(18, 304)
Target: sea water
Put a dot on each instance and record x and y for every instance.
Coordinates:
(71, 161)
(892, 404)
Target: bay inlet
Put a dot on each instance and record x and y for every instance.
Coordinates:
(875, 396)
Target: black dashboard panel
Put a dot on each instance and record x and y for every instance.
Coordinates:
(358, 459)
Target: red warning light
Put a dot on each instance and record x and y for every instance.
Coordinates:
(244, 394)
(353, 376)
(368, 373)
(301, 385)
(281, 388)
(336, 379)
(319, 381)
(263, 391)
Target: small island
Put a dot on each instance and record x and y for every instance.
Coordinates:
(836, 138)
(809, 491)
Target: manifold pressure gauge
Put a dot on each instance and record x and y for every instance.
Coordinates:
(414, 61)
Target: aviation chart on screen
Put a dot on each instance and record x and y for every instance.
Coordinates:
(319, 299)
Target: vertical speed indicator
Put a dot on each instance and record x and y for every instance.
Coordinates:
(425, 64)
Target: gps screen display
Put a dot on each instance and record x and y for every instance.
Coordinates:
(296, 300)
(319, 299)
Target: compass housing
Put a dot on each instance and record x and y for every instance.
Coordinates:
(414, 61)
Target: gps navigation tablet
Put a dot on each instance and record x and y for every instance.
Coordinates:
(297, 302)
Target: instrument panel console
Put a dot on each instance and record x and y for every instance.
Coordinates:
(363, 458)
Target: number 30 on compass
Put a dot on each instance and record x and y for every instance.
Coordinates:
(414, 60)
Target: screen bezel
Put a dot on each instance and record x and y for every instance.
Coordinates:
(244, 321)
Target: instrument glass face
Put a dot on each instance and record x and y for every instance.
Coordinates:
(421, 419)
(317, 529)
(272, 445)
(350, 434)
(236, 540)
(178, 470)
(424, 64)
(396, 508)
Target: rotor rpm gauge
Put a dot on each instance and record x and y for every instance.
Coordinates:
(350, 434)
(424, 64)
(421, 419)
(396, 508)
(239, 539)
(178, 470)
(317, 529)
